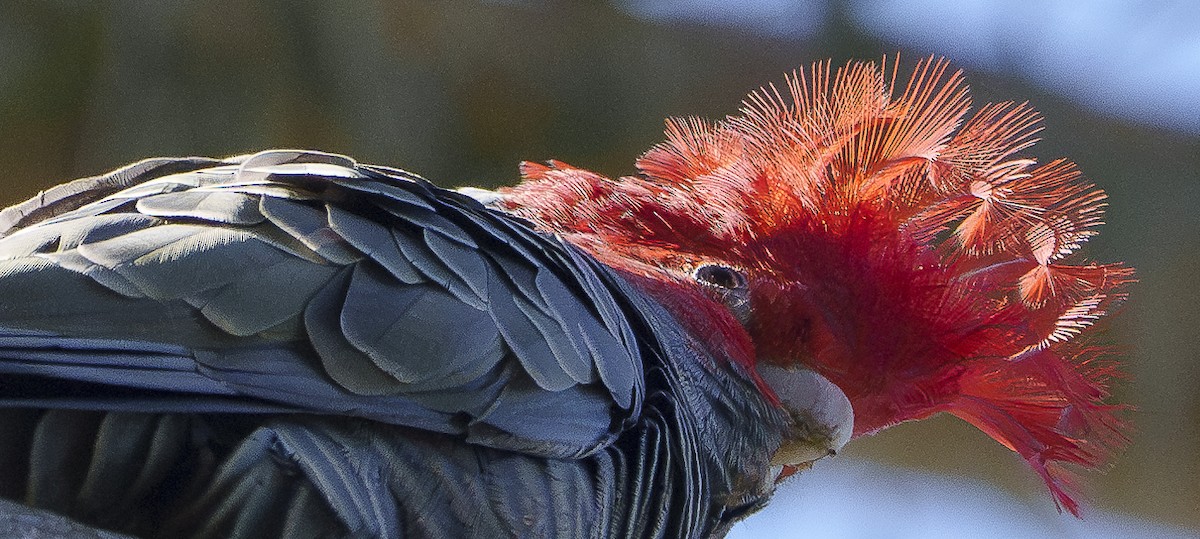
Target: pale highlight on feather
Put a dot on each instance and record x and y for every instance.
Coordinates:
(911, 252)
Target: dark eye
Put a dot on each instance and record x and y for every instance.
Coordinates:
(721, 277)
(727, 285)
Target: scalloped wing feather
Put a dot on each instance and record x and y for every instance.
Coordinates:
(305, 282)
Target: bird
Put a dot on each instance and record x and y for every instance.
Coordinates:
(291, 343)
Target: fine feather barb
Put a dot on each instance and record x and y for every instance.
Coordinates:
(913, 253)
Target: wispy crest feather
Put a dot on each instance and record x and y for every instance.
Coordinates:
(936, 260)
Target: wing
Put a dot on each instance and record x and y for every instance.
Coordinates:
(303, 282)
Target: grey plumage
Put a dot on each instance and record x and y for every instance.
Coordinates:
(293, 344)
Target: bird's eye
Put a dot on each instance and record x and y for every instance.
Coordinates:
(721, 277)
(727, 285)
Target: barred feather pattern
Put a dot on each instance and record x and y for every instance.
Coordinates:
(911, 252)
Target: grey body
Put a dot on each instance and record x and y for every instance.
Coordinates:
(293, 344)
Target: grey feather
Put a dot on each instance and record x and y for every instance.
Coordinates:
(216, 206)
(40, 294)
(158, 243)
(119, 441)
(616, 366)
(335, 349)
(362, 498)
(416, 334)
(536, 341)
(391, 193)
(431, 221)
(257, 302)
(588, 274)
(350, 367)
(106, 277)
(417, 251)
(175, 261)
(65, 236)
(310, 226)
(562, 342)
(282, 376)
(373, 240)
(463, 260)
(263, 165)
(524, 412)
(68, 197)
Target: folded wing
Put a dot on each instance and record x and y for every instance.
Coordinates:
(303, 282)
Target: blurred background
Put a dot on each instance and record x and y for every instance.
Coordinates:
(461, 91)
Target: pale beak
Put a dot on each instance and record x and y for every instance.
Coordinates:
(822, 418)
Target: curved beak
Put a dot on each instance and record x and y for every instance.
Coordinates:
(822, 418)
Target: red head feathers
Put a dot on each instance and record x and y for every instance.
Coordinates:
(903, 249)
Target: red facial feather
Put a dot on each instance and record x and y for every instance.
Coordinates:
(908, 253)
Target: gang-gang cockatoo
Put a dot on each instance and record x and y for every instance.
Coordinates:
(294, 344)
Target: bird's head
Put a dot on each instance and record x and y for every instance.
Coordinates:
(884, 238)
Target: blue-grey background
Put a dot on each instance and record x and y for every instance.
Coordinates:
(460, 91)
